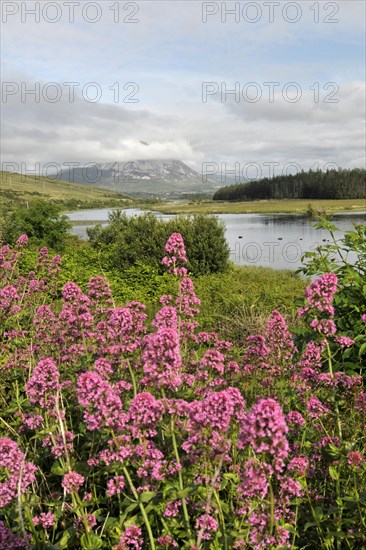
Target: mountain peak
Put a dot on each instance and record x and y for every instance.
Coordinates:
(141, 177)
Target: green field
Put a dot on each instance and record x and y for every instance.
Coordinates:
(19, 190)
(294, 206)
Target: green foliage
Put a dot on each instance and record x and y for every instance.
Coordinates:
(332, 184)
(128, 241)
(42, 222)
(346, 257)
(237, 303)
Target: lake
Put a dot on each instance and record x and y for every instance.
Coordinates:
(269, 240)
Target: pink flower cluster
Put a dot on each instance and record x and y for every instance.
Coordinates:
(72, 482)
(210, 421)
(264, 428)
(320, 293)
(10, 541)
(144, 414)
(115, 486)
(207, 524)
(176, 256)
(18, 473)
(280, 342)
(46, 520)
(102, 403)
(43, 384)
(131, 539)
(162, 360)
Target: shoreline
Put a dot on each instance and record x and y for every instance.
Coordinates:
(297, 207)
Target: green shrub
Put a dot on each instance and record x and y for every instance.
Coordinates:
(128, 241)
(346, 257)
(42, 222)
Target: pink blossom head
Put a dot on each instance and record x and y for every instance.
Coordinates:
(355, 459)
(207, 525)
(344, 341)
(19, 473)
(145, 412)
(72, 482)
(320, 294)
(46, 520)
(175, 255)
(22, 241)
(131, 538)
(166, 317)
(162, 359)
(11, 541)
(264, 428)
(43, 384)
(71, 292)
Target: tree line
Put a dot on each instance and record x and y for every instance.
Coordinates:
(332, 184)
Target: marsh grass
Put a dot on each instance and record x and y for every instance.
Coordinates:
(238, 302)
(263, 207)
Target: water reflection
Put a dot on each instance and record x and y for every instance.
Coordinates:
(269, 240)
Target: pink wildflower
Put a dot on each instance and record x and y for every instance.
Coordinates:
(187, 299)
(254, 482)
(295, 418)
(101, 400)
(320, 293)
(166, 317)
(43, 384)
(324, 326)
(265, 429)
(22, 241)
(172, 508)
(161, 358)
(115, 486)
(167, 541)
(131, 538)
(299, 465)
(72, 482)
(355, 459)
(344, 341)
(19, 474)
(175, 255)
(207, 524)
(10, 541)
(145, 412)
(315, 407)
(45, 520)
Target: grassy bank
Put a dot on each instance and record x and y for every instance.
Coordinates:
(263, 207)
(20, 190)
(238, 302)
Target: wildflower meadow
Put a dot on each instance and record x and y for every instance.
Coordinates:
(122, 432)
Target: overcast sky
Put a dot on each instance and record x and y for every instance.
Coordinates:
(149, 81)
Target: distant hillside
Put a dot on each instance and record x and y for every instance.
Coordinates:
(333, 184)
(18, 189)
(161, 177)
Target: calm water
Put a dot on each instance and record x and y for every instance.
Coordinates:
(269, 240)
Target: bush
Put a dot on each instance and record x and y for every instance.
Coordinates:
(127, 241)
(42, 222)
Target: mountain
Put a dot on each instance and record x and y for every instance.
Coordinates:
(162, 177)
